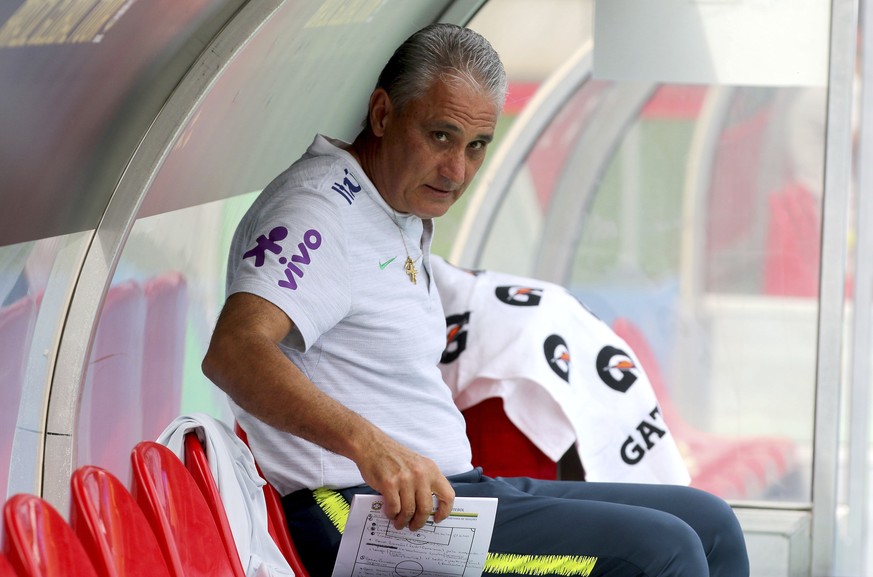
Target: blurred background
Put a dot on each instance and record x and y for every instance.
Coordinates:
(686, 201)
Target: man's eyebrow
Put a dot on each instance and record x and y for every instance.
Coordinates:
(455, 129)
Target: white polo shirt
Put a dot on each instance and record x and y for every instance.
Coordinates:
(322, 245)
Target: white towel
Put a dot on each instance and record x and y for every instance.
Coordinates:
(240, 486)
(563, 374)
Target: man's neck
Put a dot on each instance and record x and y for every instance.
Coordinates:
(364, 149)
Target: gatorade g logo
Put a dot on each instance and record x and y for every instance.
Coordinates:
(616, 369)
(456, 337)
(519, 296)
(558, 356)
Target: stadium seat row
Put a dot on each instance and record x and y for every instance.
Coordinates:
(169, 523)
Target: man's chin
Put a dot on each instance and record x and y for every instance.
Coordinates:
(433, 212)
(436, 209)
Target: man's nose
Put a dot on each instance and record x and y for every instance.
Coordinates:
(454, 167)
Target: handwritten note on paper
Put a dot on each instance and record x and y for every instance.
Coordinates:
(457, 546)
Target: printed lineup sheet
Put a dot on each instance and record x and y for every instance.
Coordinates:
(457, 546)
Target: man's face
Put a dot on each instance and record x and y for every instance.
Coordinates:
(431, 150)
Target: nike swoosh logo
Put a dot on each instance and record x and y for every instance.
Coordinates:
(382, 265)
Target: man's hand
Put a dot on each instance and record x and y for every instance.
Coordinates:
(408, 483)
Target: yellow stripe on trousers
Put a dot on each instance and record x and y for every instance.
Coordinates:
(334, 506)
(503, 563)
(337, 510)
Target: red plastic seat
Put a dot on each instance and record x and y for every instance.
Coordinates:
(500, 448)
(6, 569)
(178, 514)
(38, 542)
(198, 466)
(112, 527)
(277, 525)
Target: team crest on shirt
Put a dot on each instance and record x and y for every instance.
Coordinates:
(348, 188)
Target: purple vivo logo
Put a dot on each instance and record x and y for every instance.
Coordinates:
(293, 265)
(267, 243)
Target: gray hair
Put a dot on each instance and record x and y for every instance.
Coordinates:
(443, 52)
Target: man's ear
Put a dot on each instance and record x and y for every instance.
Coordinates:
(380, 109)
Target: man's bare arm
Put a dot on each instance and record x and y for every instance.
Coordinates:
(244, 360)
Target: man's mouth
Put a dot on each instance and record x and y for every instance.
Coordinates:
(441, 190)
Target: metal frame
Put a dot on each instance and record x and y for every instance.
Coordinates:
(862, 335)
(25, 470)
(835, 219)
(574, 192)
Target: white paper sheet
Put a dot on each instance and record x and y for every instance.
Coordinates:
(457, 546)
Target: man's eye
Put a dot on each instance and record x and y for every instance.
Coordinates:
(441, 136)
(478, 145)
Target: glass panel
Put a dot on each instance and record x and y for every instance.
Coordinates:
(700, 247)
(17, 317)
(25, 272)
(154, 328)
(513, 240)
(738, 355)
(700, 236)
(764, 216)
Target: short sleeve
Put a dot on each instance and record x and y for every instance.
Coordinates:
(290, 249)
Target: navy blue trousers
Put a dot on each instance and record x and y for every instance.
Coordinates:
(569, 528)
